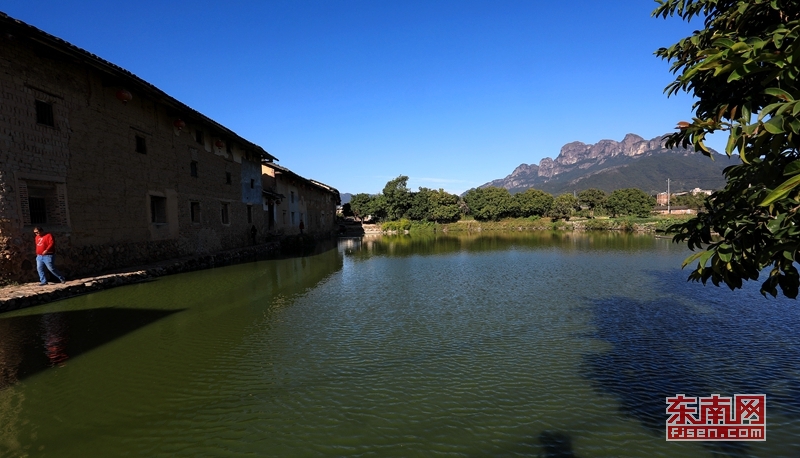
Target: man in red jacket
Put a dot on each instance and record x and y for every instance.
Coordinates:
(45, 249)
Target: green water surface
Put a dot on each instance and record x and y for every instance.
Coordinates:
(531, 344)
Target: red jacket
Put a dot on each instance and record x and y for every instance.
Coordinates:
(45, 244)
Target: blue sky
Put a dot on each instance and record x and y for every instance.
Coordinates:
(452, 94)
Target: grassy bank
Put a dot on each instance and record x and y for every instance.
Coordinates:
(627, 224)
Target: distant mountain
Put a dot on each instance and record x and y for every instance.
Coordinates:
(609, 165)
(346, 198)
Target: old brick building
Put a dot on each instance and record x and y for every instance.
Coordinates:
(120, 172)
(290, 198)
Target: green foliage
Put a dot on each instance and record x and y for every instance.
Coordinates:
(377, 207)
(597, 224)
(397, 197)
(442, 207)
(630, 202)
(420, 205)
(693, 201)
(592, 198)
(422, 226)
(360, 204)
(743, 69)
(489, 204)
(347, 210)
(400, 225)
(563, 207)
(665, 225)
(404, 224)
(432, 205)
(532, 202)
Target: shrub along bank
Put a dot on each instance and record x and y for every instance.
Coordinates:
(626, 224)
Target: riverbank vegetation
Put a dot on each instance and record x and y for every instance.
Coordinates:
(398, 209)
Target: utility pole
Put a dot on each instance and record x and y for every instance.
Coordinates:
(668, 210)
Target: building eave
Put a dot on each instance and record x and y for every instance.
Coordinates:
(118, 76)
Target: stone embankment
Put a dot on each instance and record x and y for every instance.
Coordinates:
(13, 297)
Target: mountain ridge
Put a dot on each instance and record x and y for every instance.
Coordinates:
(610, 165)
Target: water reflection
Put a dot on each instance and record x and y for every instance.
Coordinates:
(556, 444)
(679, 344)
(435, 244)
(33, 343)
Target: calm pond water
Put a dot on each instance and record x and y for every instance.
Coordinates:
(530, 344)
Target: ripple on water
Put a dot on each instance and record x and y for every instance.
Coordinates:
(529, 347)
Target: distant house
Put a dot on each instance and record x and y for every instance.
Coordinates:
(290, 198)
(118, 171)
(662, 198)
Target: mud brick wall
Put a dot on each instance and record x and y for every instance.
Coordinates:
(98, 183)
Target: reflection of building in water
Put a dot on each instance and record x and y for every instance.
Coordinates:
(349, 245)
(11, 355)
(11, 401)
(55, 337)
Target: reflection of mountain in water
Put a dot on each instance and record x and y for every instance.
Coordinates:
(32, 343)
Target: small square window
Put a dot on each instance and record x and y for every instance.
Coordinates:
(198, 136)
(158, 210)
(194, 211)
(38, 208)
(45, 203)
(44, 113)
(225, 215)
(228, 178)
(193, 168)
(292, 192)
(141, 145)
(252, 183)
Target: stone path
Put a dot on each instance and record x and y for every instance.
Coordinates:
(15, 297)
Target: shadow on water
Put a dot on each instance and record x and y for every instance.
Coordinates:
(696, 342)
(556, 444)
(33, 343)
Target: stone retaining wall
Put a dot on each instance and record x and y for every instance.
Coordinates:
(27, 295)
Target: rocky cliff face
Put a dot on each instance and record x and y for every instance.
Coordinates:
(578, 158)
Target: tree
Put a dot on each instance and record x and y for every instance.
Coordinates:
(397, 197)
(489, 203)
(420, 205)
(693, 201)
(377, 207)
(592, 198)
(743, 69)
(533, 202)
(360, 205)
(347, 210)
(630, 202)
(563, 206)
(443, 206)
